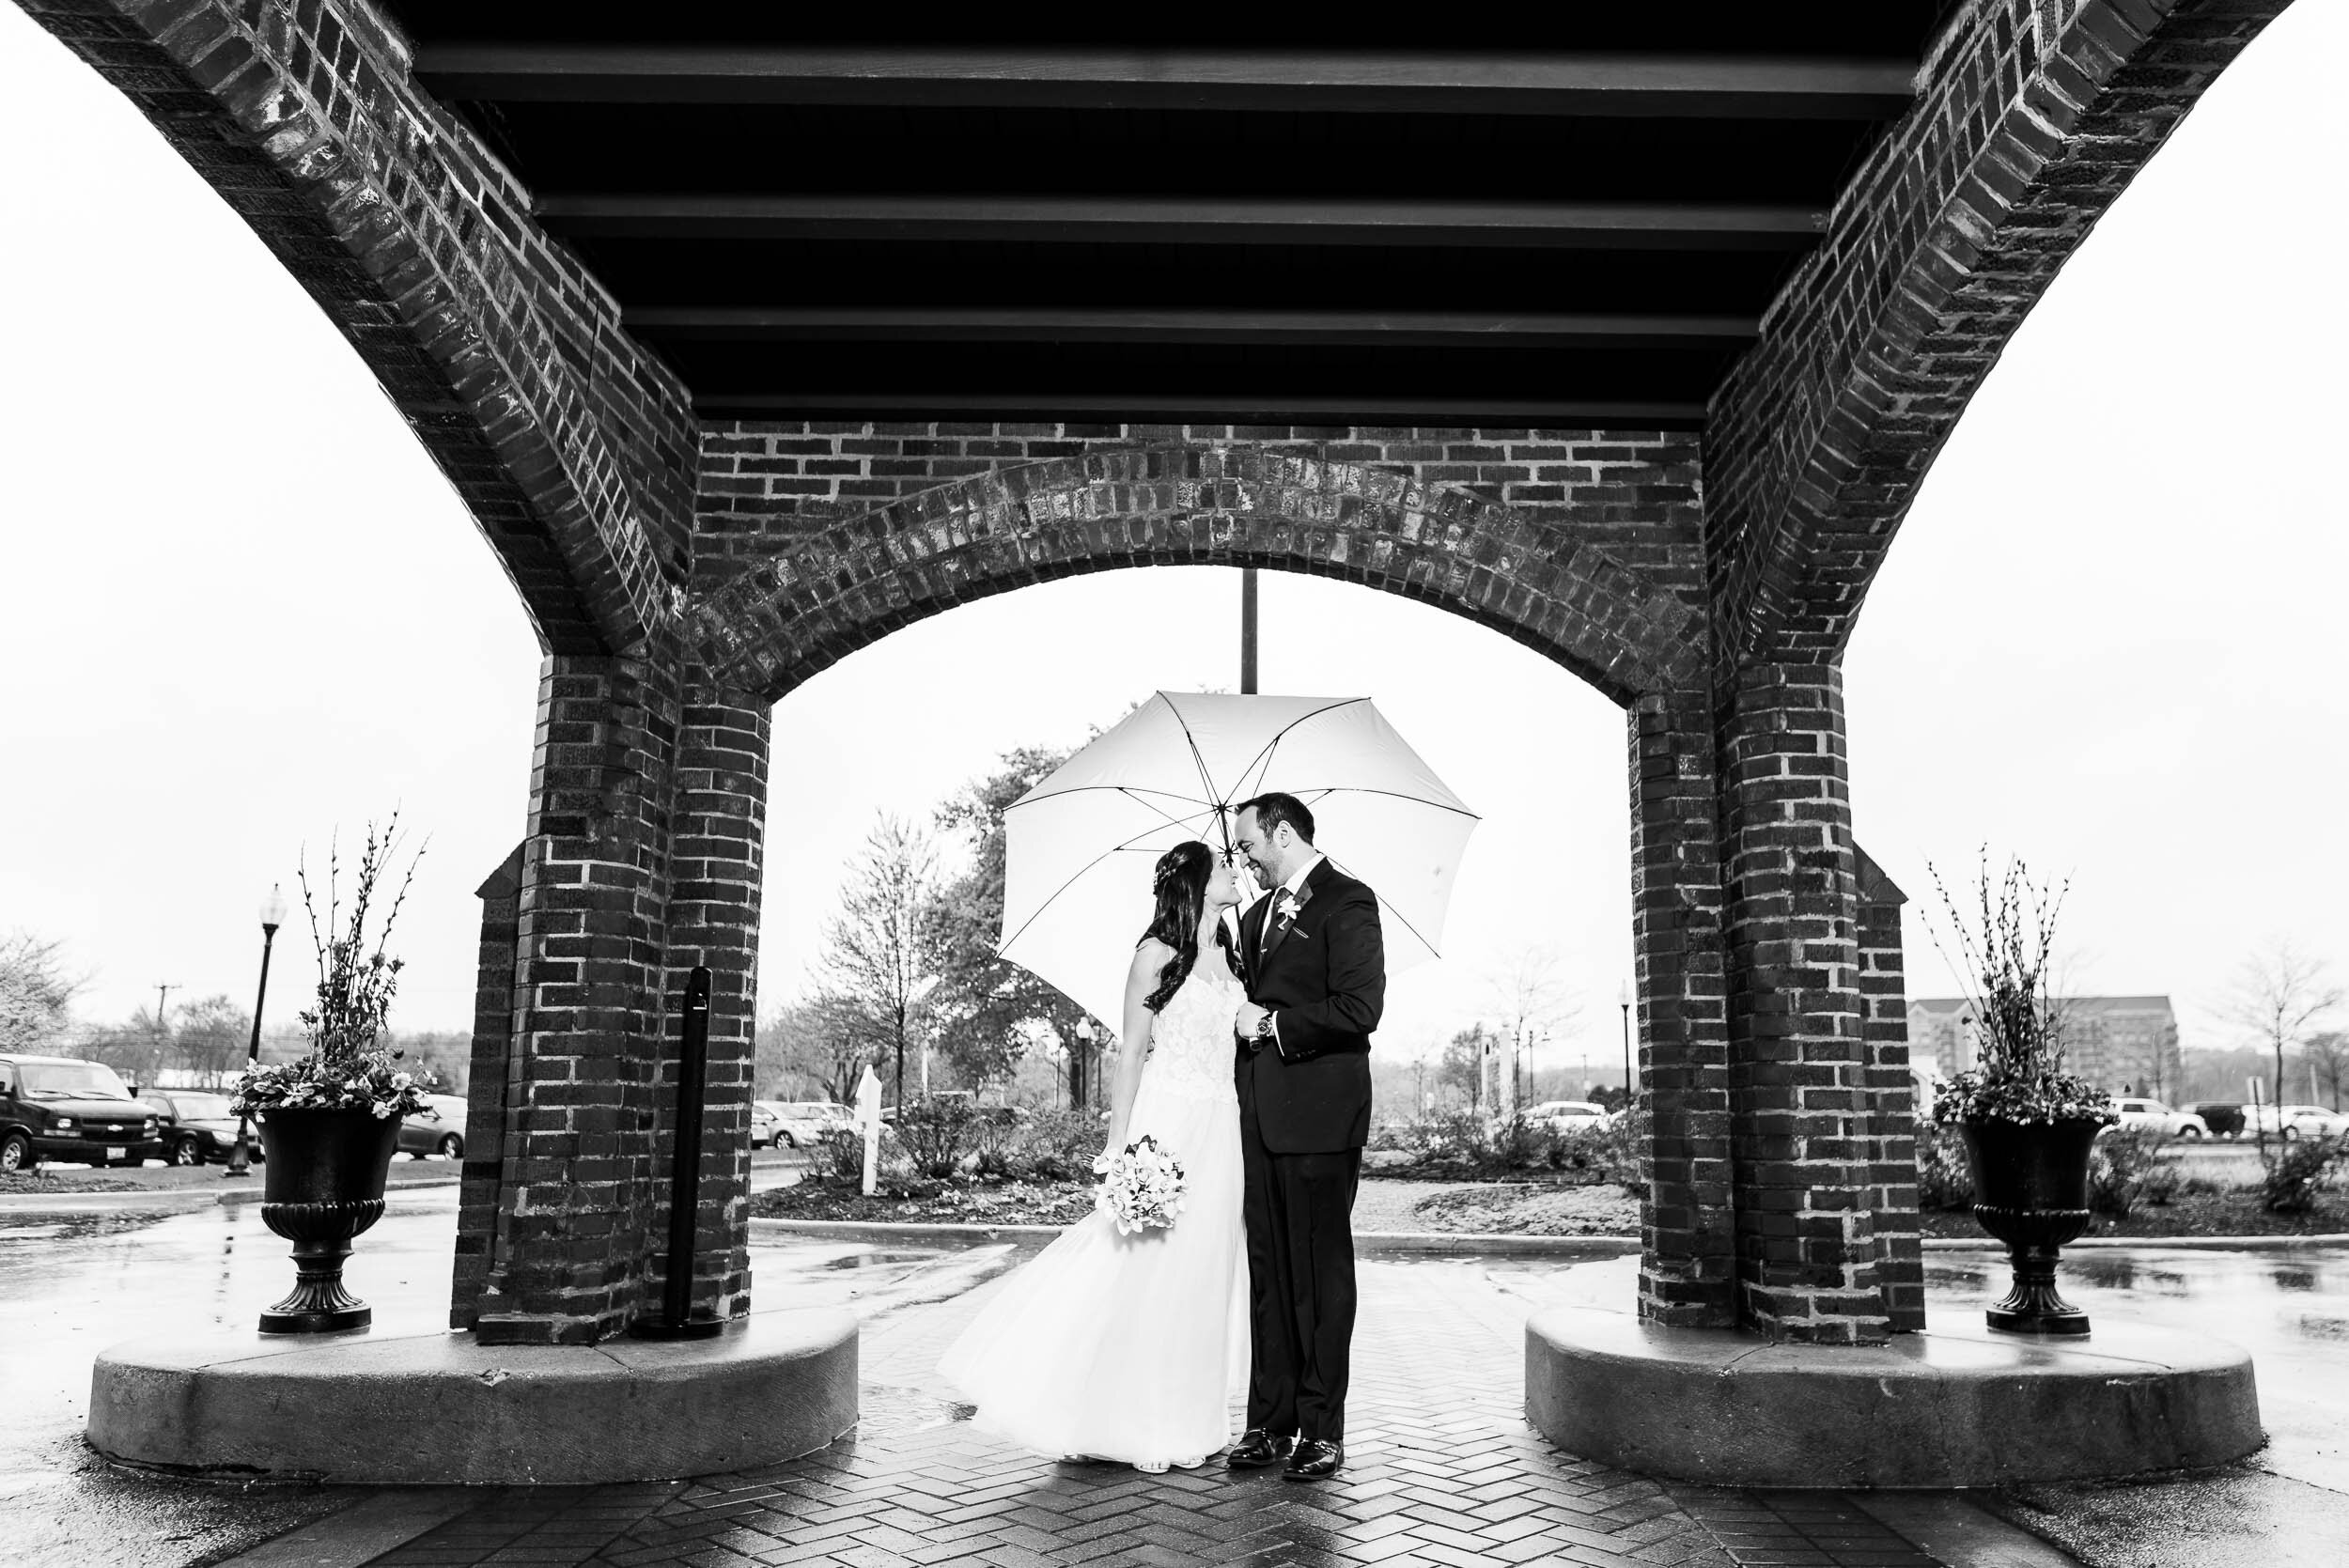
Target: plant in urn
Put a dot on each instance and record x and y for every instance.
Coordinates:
(2028, 1124)
(330, 1120)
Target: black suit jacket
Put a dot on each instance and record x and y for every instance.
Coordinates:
(1326, 985)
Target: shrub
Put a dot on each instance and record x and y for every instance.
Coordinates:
(998, 1145)
(2125, 1163)
(1060, 1145)
(839, 1153)
(935, 1133)
(1943, 1180)
(2299, 1170)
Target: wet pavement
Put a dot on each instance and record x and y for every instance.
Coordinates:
(72, 1282)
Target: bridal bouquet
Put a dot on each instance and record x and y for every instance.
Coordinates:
(1144, 1187)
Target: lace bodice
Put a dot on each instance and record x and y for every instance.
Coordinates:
(1190, 1044)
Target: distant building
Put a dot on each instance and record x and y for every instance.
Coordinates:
(2128, 1045)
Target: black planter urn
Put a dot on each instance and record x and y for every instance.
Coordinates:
(2030, 1191)
(325, 1174)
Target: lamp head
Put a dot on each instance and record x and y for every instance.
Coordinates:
(273, 908)
(1623, 993)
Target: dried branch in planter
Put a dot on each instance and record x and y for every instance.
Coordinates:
(2004, 975)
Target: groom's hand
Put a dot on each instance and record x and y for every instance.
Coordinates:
(1244, 1024)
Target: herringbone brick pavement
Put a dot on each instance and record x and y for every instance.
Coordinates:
(1441, 1470)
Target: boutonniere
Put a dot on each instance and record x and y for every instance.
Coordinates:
(1304, 896)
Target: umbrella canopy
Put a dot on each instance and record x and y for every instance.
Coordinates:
(1081, 847)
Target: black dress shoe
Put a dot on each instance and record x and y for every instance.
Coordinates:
(1257, 1449)
(1314, 1461)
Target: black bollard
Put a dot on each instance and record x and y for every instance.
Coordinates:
(676, 1321)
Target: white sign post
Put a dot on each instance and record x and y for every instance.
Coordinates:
(868, 1121)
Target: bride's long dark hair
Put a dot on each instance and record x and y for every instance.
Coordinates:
(1180, 893)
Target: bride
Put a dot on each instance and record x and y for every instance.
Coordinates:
(1128, 1347)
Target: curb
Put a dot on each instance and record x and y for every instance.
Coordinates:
(1489, 1244)
(67, 1200)
(2164, 1243)
(1470, 1242)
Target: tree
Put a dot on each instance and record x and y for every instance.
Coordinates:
(36, 992)
(138, 1049)
(1531, 991)
(2276, 994)
(213, 1036)
(2329, 1053)
(821, 1044)
(879, 960)
(1463, 1064)
(988, 1013)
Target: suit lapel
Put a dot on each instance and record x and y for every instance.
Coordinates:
(1306, 890)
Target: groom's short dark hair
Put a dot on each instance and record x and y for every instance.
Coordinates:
(1274, 808)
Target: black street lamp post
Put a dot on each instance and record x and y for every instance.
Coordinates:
(273, 916)
(1623, 1000)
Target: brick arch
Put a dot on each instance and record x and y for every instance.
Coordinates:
(769, 623)
(567, 443)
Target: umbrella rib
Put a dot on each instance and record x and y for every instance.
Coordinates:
(1082, 789)
(1205, 783)
(1328, 790)
(1399, 918)
(1112, 850)
(1262, 759)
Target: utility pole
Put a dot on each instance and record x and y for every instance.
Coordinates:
(1248, 631)
(155, 1064)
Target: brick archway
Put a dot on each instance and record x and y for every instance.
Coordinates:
(779, 607)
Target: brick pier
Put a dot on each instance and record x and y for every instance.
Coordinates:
(1664, 443)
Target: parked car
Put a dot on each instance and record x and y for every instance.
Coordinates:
(2154, 1116)
(195, 1126)
(800, 1122)
(1569, 1115)
(440, 1131)
(55, 1108)
(2296, 1121)
(2223, 1117)
(766, 1126)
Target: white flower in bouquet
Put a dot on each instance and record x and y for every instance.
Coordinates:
(1143, 1188)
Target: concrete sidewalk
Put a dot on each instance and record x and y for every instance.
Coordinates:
(1442, 1470)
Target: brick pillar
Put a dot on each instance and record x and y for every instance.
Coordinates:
(1892, 1150)
(718, 842)
(575, 1201)
(1686, 1233)
(484, 1108)
(1803, 1106)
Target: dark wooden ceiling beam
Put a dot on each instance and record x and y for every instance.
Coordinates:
(1363, 328)
(1273, 80)
(1187, 220)
(1236, 407)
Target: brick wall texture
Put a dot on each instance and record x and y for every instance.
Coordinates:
(683, 576)
(2032, 116)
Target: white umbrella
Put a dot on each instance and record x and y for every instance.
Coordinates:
(1081, 847)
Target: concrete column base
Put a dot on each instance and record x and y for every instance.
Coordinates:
(1949, 1408)
(440, 1408)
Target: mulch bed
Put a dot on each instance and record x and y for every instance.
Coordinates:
(2186, 1215)
(1016, 1202)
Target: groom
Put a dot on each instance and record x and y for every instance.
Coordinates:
(1317, 976)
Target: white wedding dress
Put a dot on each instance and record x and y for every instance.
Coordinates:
(1129, 1347)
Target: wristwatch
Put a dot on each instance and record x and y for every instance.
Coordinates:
(1263, 1027)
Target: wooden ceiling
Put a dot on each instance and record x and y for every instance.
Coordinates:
(1569, 222)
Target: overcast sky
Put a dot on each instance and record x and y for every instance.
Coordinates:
(239, 610)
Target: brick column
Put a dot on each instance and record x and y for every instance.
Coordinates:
(716, 849)
(1893, 1148)
(484, 1107)
(1800, 1095)
(575, 1201)
(1686, 1233)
